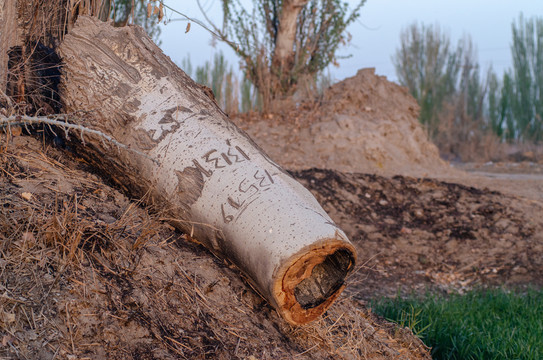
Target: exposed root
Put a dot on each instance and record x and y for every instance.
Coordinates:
(61, 121)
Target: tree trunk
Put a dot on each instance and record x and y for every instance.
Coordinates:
(286, 35)
(29, 32)
(187, 158)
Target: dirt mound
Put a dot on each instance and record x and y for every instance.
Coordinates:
(362, 124)
(87, 273)
(420, 234)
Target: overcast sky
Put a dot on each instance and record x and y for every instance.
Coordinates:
(376, 34)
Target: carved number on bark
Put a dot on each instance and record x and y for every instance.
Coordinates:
(263, 182)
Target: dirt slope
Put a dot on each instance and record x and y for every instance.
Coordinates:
(442, 228)
(87, 273)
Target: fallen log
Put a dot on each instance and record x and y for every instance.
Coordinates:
(183, 154)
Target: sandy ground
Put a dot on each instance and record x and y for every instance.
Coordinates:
(518, 179)
(88, 273)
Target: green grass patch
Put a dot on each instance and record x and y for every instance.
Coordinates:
(482, 324)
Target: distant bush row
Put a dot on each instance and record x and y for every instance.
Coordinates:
(235, 96)
(459, 102)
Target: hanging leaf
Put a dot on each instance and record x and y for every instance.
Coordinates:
(188, 28)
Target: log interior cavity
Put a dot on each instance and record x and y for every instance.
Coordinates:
(326, 278)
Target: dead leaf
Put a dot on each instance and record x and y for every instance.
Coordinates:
(6, 339)
(28, 237)
(9, 318)
(188, 28)
(16, 130)
(160, 12)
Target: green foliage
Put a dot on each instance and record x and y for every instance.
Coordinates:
(320, 31)
(202, 74)
(234, 96)
(457, 104)
(222, 80)
(472, 89)
(495, 118)
(249, 96)
(186, 65)
(218, 75)
(485, 324)
(428, 66)
(506, 114)
(527, 95)
(516, 109)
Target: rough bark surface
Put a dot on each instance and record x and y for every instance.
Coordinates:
(212, 180)
(8, 38)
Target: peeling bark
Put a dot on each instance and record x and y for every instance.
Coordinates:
(210, 178)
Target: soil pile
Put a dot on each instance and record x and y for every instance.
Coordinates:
(450, 233)
(361, 124)
(87, 273)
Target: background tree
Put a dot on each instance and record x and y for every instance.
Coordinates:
(220, 78)
(427, 65)
(460, 107)
(527, 97)
(137, 12)
(515, 107)
(469, 94)
(493, 113)
(280, 41)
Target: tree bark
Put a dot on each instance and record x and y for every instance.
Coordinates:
(210, 178)
(8, 38)
(286, 35)
(29, 32)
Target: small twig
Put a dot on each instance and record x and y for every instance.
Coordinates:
(25, 120)
(306, 351)
(188, 222)
(70, 328)
(215, 31)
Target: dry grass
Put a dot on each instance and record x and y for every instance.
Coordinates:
(46, 237)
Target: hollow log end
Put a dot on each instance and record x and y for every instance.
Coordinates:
(307, 285)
